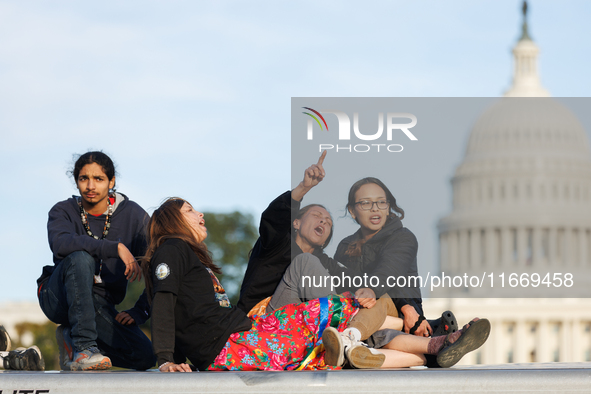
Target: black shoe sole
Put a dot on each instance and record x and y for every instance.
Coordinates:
(470, 340)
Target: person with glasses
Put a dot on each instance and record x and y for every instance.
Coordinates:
(383, 247)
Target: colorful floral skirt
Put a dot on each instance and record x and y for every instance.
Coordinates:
(288, 338)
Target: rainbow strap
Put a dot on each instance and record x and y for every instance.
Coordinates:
(323, 316)
(321, 327)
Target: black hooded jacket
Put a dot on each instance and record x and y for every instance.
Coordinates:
(389, 255)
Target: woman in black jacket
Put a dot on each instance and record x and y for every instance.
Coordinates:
(383, 248)
(192, 316)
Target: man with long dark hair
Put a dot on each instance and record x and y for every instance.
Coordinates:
(94, 238)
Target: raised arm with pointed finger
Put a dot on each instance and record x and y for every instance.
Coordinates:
(272, 252)
(312, 177)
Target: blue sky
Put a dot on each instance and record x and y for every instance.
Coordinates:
(193, 98)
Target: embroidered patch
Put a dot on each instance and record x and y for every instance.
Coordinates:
(162, 271)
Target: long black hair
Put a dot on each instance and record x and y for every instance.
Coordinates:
(97, 157)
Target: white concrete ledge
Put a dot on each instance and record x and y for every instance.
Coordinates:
(510, 378)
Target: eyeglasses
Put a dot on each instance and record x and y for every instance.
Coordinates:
(366, 205)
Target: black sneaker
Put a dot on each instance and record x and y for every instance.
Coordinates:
(4, 340)
(25, 359)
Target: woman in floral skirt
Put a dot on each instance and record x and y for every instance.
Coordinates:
(192, 316)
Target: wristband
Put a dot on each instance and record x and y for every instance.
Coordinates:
(417, 324)
(166, 363)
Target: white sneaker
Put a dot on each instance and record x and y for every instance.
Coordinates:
(349, 340)
(334, 348)
(337, 345)
(359, 354)
(363, 357)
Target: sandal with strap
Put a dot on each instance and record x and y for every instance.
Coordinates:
(444, 325)
(473, 335)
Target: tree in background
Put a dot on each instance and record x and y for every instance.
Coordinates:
(230, 238)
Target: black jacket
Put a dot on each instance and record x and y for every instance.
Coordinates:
(66, 235)
(391, 253)
(272, 252)
(188, 320)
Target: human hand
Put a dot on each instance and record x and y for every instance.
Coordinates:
(366, 298)
(125, 318)
(424, 329)
(132, 268)
(315, 173)
(312, 176)
(411, 317)
(172, 367)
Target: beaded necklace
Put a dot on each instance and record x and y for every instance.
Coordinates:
(97, 278)
(85, 219)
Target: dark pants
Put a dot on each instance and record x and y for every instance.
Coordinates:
(67, 298)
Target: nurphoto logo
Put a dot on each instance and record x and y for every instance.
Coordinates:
(393, 124)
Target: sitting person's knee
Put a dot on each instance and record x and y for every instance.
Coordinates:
(81, 260)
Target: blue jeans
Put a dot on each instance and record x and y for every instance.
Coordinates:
(67, 298)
